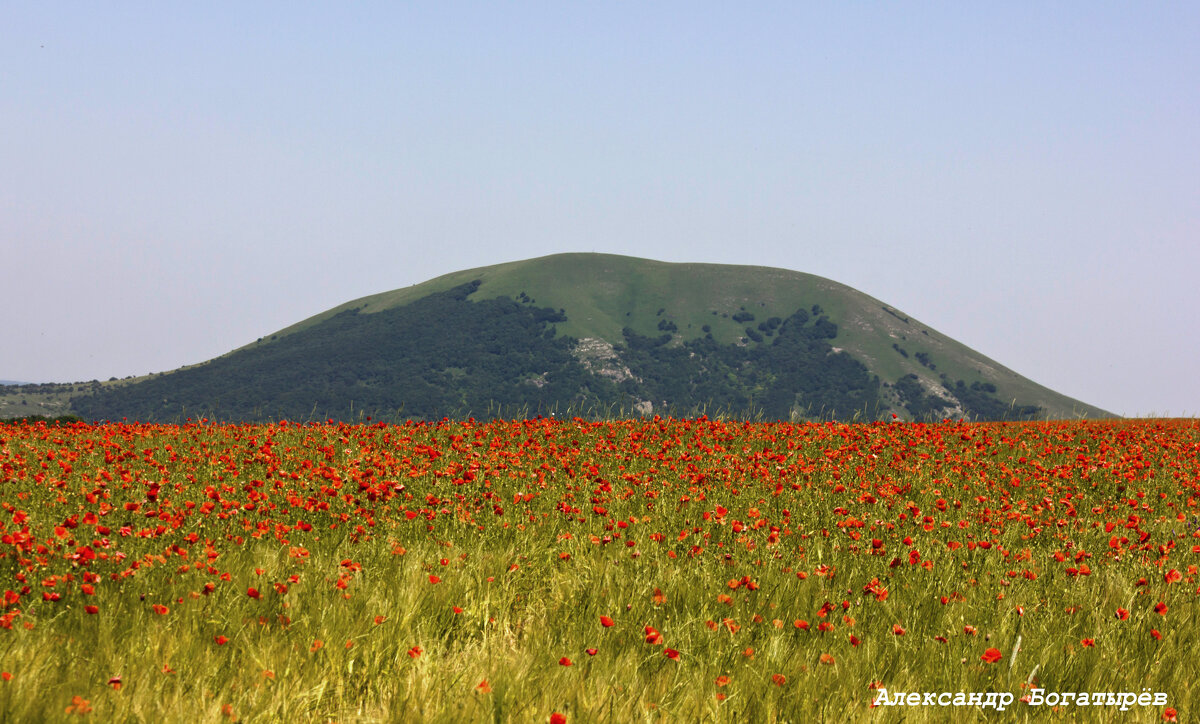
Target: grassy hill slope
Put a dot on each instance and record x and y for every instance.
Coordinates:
(602, 293)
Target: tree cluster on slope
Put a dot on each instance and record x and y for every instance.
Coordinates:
(797, 374)
(978, 400)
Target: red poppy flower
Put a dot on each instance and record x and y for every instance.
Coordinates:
(991, 656)
(557, 718)
(606, 622)
(79, 705)
(653, 636)
(253, 593)
(898, 629)
(671, 653)
(564, 661)
(591, 652)
(1160, 608)
(91, 609)
(221, 640)
(778, 679)
(1122, 614)
(1090, 643)
(434, 579)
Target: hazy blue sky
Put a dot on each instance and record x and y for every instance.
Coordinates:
(178, 179)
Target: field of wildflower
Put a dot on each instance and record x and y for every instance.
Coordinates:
(583, 571)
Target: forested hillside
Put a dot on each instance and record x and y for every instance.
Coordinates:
(448, 354)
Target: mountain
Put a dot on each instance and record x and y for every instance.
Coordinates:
(597, 334)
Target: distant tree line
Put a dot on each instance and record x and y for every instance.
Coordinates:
(51, 421)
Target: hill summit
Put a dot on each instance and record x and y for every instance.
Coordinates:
(597, 334)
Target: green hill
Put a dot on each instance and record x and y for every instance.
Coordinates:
(597, 334)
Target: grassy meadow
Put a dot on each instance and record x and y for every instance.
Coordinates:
(580, 571)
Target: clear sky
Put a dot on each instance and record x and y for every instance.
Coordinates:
(179, 179)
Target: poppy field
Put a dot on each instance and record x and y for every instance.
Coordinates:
(583, 571)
